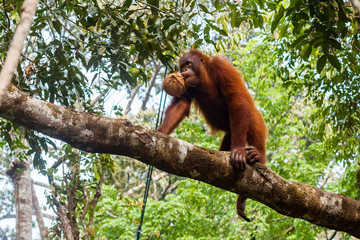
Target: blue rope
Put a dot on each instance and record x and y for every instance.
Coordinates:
(159, 118)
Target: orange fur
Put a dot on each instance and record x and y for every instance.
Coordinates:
(218, 90)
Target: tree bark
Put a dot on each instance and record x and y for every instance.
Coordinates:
(38, 213)
(20, 175)
(133, 94)
(94, 133)
(356, 5)
(27, 13)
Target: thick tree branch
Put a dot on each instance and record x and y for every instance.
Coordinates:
(27, 13)
(94, 133)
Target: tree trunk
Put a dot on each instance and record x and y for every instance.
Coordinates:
(20, 175)
(94, 133)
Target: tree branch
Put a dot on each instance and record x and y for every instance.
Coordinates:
(38, 213)
(356, 5)
(27, 13)
(132, 96)
(94, 133)
(142, 185)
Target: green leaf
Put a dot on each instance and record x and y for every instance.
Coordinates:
(206, 33)
(221, 31)
(154, 5)
(43, 144)
(8, 126)
(127, 3)
(277, 18)
(335, 62)
(306, 51)
(233, 18)
(8, 138)
(197, 43)
(203, 8)
(321, 63)
(299, 40)
(334, 43)
(57, 25)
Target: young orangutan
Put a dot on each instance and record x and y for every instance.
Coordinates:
(218, 90)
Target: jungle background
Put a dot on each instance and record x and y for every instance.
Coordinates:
(299, 59)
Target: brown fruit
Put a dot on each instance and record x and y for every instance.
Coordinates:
(174, 84)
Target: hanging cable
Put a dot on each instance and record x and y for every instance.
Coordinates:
(159, 118)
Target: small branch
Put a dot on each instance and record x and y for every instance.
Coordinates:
(142, 185)
(168, 191)
(65, 223)
(333, 235)
(55, 166)
(277, 122)
(6, 16)
(46, 215)
(152, 6)
(7, 216)
(38, 213)
(327, 175)
(3, 233)
(96, 198)
(41, 184)
(110, 214)
(95, 100)
(27, 13)
(54, 15)
(131, 99)
(49, 216)
(291, 228)
(82, 217)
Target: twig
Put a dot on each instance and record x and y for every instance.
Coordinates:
(92, 103)
(278, 121)
(142, 185)
(6, 16)
(65, 223)
(291, 228)
(13, 56)
(327, 175)
(133, 94)
(110, 214)
(47, 6)
(41, 184)
(96, 197)
(152, 6)
(3, 234)
(82, 217)
(333, 235)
